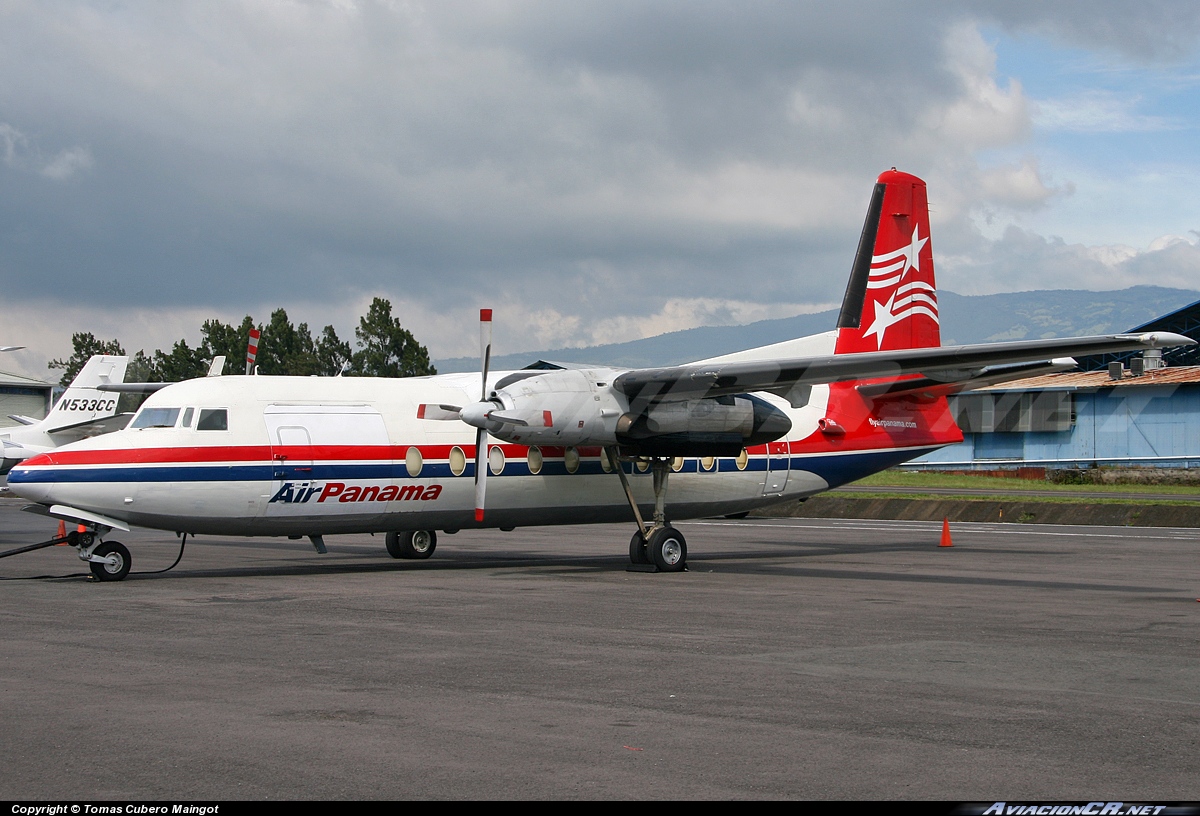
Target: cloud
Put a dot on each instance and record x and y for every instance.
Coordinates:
(20, 154)
(1097, 111)
(1021, 260)
(608, 168)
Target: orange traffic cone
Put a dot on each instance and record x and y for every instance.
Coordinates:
(945, 542)
(62, 530)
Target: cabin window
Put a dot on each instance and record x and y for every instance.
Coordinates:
(708, 463)
(606, 464)
(213, 419)
(156, 418)
(534, 458)
(677, 464)
(413, 462)
(496, 460)
(458, 461)
(742, 460)
(571, 460)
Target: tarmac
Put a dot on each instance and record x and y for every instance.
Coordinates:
(796, 659)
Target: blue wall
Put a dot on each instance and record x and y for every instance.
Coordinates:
(1137, 425)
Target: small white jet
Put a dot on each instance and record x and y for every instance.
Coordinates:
(82, 411)
(303, 456)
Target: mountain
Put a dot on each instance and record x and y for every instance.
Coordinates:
(965, 319)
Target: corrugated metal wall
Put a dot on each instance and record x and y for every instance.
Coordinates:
(1153, 425)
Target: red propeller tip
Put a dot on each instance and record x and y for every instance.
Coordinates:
(485, 315)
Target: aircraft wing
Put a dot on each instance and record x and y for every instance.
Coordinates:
(941, 366)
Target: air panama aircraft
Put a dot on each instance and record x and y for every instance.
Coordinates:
(250, 456)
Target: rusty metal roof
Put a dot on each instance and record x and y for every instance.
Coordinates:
(1074, 380)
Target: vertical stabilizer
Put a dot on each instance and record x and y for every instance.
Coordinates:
(83, 401)
(891, 300)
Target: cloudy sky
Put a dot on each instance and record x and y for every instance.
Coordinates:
(593, 171)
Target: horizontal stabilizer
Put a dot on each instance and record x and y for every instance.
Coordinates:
(92, 427)
(133, 388)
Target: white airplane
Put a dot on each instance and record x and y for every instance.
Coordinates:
(83, 410)
(303, 456)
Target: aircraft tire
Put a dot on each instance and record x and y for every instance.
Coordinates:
(418, 543)
(111, 572)
(637, 549)
(392, 542)
(668, 550)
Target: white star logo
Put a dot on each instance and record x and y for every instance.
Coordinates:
(883, 319)
(912, 253)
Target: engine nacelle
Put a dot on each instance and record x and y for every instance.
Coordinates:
(578, 407)
(714, 426)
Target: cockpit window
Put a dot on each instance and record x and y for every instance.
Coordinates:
(156, 418)
(187, 418)
(213, 419)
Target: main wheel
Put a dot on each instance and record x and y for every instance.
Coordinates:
(667, 549)
(637, 549)
(117, 567)
(411, 544)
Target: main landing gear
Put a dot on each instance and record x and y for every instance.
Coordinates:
(411, 544)
(657, 544)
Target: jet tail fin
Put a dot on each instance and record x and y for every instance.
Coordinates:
(83, 401)
(891, 299)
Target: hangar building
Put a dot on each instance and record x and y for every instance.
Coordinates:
(23, 396)
(1078, 419)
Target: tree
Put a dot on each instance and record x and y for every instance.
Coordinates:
(333, 355)
(84, 345)
(387, 348)
(225, 339)
(182, 363)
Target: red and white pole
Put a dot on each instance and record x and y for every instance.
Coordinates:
(252, 350)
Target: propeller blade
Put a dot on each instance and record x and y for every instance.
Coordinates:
(485, 348)
(481, 446)
(442, 412)
(481, 469)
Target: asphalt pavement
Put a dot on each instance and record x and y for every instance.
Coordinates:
(797, 658)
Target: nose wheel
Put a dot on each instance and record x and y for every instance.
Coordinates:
(109, 561)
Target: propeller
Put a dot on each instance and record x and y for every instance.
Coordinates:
(481, 446)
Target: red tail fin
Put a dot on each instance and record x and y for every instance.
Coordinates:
(891, 301)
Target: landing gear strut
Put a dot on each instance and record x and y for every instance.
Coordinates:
(657, 543)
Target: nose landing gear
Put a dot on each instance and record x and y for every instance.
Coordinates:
(108, 560)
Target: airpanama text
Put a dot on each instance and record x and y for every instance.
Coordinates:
(301, 492)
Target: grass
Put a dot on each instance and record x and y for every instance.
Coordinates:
(1074, 494)
(910, 479)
